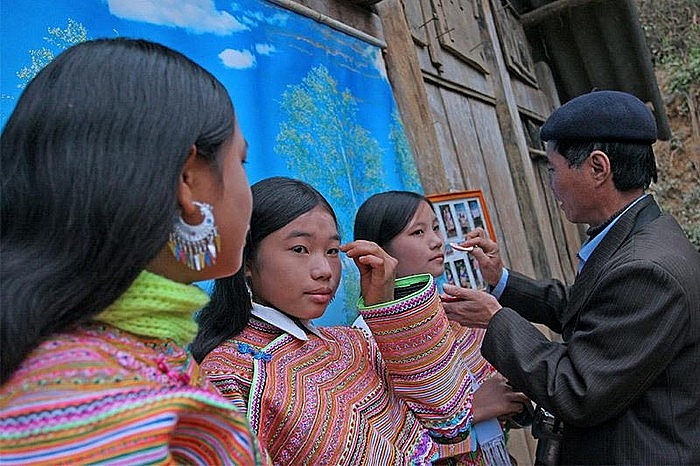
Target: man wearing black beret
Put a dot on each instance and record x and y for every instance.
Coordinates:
(624, 385)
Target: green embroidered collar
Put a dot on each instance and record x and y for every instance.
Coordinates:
(155, 306)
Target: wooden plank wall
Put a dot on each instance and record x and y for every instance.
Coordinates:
(471, 101)
(461, 107)
(476, 102)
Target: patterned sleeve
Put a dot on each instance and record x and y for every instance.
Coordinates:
(469, 341)
(100, 395)
(231, 379)
(216, 433)
(167, 425)
(424, 358)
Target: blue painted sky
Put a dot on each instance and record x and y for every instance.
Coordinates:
(254, 47)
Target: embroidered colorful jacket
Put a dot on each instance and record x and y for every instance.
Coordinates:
(102, 395)
(336, 395)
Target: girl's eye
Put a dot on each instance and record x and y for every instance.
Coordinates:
(436, 227)
(333, 251)
(417, 232)
(300, 249)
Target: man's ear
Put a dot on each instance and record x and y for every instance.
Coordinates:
(185, 188)
(600, 165)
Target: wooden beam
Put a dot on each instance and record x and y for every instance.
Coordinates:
(406, 77)
(538, 15)
(314, 12)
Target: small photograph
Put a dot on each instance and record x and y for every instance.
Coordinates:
(459, 213)
(462, 217)
(476, 273)
(462, 274)
(477, 215)
(448, 220)
(449, 275)
(449, 251)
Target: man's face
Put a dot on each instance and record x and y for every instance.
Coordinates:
(572, 186)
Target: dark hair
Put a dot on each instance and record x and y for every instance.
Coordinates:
(277, 201)
(633, 165)
(91, 157)
(383, 216)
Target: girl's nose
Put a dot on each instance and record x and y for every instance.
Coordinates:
(321, 269)
(437, 241)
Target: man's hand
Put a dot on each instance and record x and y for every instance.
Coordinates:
(486, 253)
(474, 308)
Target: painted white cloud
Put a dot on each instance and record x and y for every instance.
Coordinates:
(278, 19)
(377, 60)
(265, 49)
(237, 59)
(198, 16)
(254, 18)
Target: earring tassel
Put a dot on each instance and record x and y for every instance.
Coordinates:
(196, 246)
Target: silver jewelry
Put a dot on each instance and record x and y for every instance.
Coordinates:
(196, 246)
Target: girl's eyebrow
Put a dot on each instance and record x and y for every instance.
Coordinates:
(298, 234)
(306, 234)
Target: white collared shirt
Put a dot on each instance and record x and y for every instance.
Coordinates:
(285, 323)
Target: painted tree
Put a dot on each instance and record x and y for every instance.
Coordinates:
(405, 164)
(324, 144)
(60, 39)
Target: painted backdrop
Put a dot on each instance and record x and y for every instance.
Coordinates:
(314, 103)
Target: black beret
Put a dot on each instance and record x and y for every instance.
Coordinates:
(601, 116)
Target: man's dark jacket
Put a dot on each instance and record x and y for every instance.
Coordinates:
(626, 379)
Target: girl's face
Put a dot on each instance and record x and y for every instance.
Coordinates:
(419, 247)
(232, 204)
(297, 269)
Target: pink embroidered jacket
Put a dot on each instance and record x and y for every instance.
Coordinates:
(336, 395)
(102, 395)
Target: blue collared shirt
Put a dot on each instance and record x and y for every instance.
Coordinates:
(590, 245)
(583, 254)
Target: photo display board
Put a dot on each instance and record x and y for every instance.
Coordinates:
(458, 213)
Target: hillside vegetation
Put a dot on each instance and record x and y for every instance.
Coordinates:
(672, 29)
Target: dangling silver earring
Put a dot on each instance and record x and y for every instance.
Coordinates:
(196, 245)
